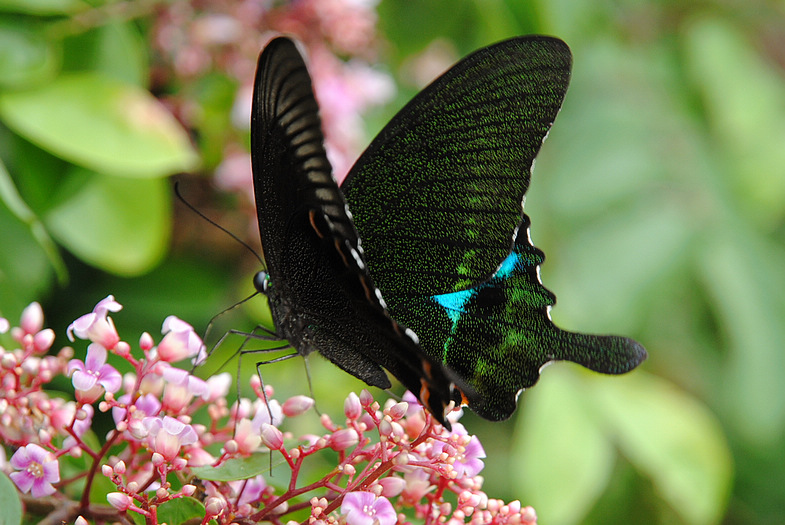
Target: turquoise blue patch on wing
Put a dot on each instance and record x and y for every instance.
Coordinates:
(454, 303)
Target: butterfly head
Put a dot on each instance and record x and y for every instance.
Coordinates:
(261, 281)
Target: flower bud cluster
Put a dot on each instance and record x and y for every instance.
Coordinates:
(176, 443)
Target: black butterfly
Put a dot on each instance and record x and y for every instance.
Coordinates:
(438, 198)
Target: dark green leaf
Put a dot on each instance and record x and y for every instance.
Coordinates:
(236, 468)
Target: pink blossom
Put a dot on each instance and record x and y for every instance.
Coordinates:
(247, 440)
(352, 407)
(97, 326)
(365, 508)
(343, 439)
(180, 342)
(466, 452)
(252, 489)
(146, 405)
(119, 500)
(218, 386)
(32, 319)
(168, 435)
(180, 388)
(392, 486)
(272, 437)
(263, 412)
(91, 377)
(82, 423)
(36, 469)
(294, 406)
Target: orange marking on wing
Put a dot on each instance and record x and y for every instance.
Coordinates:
(312, 220)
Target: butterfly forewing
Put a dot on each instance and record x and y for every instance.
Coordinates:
(438, 195)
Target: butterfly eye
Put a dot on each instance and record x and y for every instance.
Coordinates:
(261, 281)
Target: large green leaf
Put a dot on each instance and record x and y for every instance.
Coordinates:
(235, 468)
(744, 277)
(121, 225)
(744, 99)
(25, 56)
(115, 50)
(672, 438)
(42, 7)
(102, 124)
(25, 271)
(562, 458)
(9, 501)
(573, 422)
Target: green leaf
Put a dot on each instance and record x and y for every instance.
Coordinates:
(16, 205)
(562, 460)
(42, 7)
(744, 102)
(102, 124)
(236, 468)
(180, 510)
(25, 56)
(744, 277)
(118, 224)
(115, 50)
(25, 272)
(573, 422)
(672, 438)
(9, 501)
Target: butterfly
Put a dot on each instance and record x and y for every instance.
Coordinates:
(443, 291)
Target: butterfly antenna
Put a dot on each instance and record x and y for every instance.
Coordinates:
(208, 219)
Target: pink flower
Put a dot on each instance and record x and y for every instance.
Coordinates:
(264, 411)
(271, 437)
(180, 388)
(467, 452)
(218, 386)
(294, 406)
(364, 508)
(93, 376)
(32, 319)
(246, 438)
(252, 489)
(82, 423)
(180, 342)
(168, 435)
(37, 470)
(97, 326)
(119, 500)
(352, 407)
(343, 439)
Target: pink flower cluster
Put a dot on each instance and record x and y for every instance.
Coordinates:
(175, 446)
(197, 38)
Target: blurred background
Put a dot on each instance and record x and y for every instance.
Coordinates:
(659, 199)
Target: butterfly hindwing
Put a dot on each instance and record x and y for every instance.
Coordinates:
(321, 294)
(508, 317)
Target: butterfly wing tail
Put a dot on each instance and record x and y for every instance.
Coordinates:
(607, 354)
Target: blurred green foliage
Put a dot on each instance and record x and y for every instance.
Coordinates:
(659, 199)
